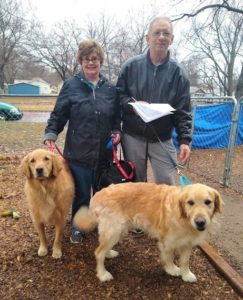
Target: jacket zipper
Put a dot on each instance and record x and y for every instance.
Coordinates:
(153, 83)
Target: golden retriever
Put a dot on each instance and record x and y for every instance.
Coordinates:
(49, 190)
(179, 218)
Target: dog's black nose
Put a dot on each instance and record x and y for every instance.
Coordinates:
(39, 171)
(200, 223)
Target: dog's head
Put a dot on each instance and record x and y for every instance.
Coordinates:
(40, 164)
(199, 203)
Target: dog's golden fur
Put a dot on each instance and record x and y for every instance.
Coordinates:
(49, 190)
(179, 218)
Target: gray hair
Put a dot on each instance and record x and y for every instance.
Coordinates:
(160, 18)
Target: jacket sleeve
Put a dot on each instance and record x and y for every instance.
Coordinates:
(183, 116)
(124, 93)
(59, 115)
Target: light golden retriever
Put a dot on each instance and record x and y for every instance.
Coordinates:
(179, 218)
(49, 190)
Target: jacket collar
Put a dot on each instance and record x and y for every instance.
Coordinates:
(160, 65)
(83, 78)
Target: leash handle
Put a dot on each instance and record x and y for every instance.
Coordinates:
(120, 168)
(184, 180)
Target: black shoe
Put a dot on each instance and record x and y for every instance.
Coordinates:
(76, 237)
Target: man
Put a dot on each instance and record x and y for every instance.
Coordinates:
(155, 78)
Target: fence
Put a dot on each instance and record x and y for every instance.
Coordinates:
(217, 150)
(217, 139)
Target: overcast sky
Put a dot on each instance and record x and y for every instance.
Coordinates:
(52, 11)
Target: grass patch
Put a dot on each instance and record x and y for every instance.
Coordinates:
(43, 104)
(19, 137)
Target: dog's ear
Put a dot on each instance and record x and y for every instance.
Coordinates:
(218, 202)
(24, 167)
(182, 207)
(56, 165)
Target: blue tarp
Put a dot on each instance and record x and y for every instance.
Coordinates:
(212, 126)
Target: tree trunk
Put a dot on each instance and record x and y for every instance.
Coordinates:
(239, 86)
(1, 77)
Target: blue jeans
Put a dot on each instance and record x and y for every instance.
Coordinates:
(83, 179)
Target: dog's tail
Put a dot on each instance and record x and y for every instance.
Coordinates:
(84, 220)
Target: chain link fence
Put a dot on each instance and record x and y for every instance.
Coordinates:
(217, 144)
(9, 112)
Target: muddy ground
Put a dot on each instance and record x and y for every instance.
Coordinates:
(137, 271)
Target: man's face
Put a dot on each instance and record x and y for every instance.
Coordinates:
(160, 37)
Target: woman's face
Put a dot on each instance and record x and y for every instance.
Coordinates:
(91, 65)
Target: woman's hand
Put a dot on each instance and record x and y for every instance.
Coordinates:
(50, 144)
(116, 138)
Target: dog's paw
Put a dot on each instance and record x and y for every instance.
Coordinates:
(112, 253)
(173, 270)
(57, 253)
(189, 277)
(42, 251)
(105, 276)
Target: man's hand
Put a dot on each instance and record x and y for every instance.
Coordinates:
(184, 153)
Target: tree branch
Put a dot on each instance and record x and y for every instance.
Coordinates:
(229, 8)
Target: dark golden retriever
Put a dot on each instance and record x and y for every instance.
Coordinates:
(49, 190)
(179, 218)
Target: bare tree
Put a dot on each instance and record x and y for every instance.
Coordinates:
(239, 87)
(12, 34)
(138, 28)
(221, 5)
(105, 30)
(58, 48)
(191, 65)
(220, 44)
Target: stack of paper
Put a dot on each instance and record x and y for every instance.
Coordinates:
(152, 111)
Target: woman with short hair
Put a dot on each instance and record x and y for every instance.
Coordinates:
(89, 103)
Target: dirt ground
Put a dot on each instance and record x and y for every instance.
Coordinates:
(137, 271)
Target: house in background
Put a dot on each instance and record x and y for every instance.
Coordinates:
(23, 88)
(44, 87)
(197, 92)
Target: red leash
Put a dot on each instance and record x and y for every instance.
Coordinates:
(51, 149)
(120, 168)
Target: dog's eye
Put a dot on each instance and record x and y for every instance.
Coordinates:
(207, 202)
(191, 202)
(46, 158)
(32, 160)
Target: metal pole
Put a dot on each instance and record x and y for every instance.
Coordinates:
(232, 137)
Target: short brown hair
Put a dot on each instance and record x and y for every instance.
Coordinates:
(87, 47)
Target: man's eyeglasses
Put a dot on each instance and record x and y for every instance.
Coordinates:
(93, 59)
(158, 34)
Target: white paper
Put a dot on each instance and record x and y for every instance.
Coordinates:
(152, 111)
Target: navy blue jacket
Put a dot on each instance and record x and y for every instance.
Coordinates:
(165, 83)
(92, 116)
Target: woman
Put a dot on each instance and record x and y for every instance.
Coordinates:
(89, 103)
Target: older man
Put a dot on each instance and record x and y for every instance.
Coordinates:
(155, 78)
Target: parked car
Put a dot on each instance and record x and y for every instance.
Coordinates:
(9, 112)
